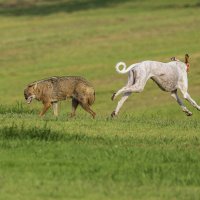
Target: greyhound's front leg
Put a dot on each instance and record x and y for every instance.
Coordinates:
(175, 96)
(47, 105)
(193, 103)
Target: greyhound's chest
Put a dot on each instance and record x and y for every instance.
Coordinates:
(166, 77)
(165, 81)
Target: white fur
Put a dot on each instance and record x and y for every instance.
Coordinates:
(168, 76)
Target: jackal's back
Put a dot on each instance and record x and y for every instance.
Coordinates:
(58, 88)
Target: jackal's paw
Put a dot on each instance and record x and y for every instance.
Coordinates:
(41, 115)
(94, 115)
(71, 115)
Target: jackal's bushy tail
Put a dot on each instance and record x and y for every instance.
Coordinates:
(91, 98)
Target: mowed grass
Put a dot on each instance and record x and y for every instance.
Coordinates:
(150, 151)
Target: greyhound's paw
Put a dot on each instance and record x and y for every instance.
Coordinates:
(188, 113)
(113, 114)
(113, 96)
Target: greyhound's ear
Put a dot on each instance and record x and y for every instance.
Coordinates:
(35, 86)
(186, 58)
(173, 58)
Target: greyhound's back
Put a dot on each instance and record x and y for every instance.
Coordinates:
(156, 68)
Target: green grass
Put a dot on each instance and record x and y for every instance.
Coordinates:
(150, 151)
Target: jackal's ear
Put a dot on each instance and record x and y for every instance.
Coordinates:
(35, 86)
(30, 85)
(186, 58)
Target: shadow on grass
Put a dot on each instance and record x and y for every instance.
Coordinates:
(47, 134)
(44, 133)
(47, 7)
(179, 6)
(21, 133)
(36, 7)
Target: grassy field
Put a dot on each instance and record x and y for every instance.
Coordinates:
(150, 151)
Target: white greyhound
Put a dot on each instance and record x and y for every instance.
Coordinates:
(168, 76)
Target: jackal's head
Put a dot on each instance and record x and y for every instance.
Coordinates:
(30, 92)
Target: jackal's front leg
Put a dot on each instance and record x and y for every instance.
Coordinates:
(45, 108)
(55, 108)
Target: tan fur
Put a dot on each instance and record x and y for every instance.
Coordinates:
(55, 89)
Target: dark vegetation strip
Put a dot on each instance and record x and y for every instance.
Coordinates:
(68, 6)
(55, 6)
(47, 134)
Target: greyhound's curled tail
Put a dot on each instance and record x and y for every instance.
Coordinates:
(124, 70)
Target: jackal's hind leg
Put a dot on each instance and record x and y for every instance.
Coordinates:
(87, 108)
(74, 107)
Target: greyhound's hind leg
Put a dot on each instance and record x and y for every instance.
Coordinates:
(135, 84)
(120, 103)
(118, 92)
(131, 81)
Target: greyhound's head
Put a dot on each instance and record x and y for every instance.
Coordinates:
(186, 61)
(174, 59)
(30, 92)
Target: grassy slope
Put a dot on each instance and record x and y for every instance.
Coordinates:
(151, 151)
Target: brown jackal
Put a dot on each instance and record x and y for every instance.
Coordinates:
(55, 89)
